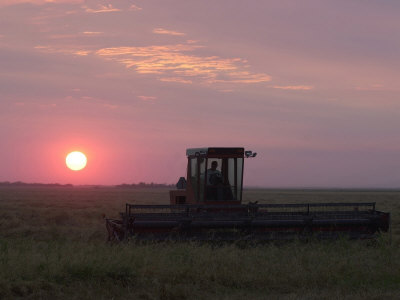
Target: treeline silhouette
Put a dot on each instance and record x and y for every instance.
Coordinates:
(20, 183)
(124, 185)
(144, 185)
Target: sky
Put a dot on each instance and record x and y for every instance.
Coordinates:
(312, 86)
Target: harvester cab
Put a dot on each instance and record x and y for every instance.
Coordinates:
(214, 176)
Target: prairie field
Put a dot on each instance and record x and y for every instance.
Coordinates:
(53, 246)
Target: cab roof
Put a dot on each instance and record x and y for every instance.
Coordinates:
(214, 151)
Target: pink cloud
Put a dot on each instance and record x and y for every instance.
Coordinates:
(177, 63)
(110, 106)
(91, 33)
(147, 98)
(168, 32)
(294, 87)
(102, 9)
(372, 87)
(176, 79)
(37, 2)
(65, 50)
(135, 7)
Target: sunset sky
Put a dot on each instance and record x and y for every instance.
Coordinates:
(312, 86)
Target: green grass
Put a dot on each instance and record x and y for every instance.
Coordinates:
(52, 246)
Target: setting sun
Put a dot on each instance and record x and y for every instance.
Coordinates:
(76, 161)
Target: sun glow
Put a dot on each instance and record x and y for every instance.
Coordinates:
(76, 161)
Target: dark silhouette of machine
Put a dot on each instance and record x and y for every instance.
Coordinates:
(207, 205)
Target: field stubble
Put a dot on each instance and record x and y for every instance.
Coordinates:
(52, 246)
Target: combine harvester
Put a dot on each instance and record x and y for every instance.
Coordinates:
(208, 206)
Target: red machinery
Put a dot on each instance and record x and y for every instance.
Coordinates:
(209, 207)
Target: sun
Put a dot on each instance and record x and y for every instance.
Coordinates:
(76, 161)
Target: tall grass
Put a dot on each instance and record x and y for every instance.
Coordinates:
(52, 246)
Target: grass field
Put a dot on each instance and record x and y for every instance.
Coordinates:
(52, 246)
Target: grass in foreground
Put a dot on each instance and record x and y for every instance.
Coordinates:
(52, 247)
(184, 271)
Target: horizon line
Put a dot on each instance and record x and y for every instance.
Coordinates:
(155, 184)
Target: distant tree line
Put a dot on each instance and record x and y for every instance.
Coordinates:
(124, 185)
(145, 185)
(20, 183)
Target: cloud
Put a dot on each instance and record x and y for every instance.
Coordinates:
(168, 32)
(74, 36)
(176, 79)
(135, 7)
(178, 63)
(110, 106)
(294, 87)
(147, 98)
(71, 51)
(102, 9)
(245, 77)
(37, 2)
(91, 33)
(372, 87)
(81, 52)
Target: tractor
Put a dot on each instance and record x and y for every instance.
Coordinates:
(207, 205)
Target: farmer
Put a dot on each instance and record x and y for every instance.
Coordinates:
(214, 176)
(214, 183)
